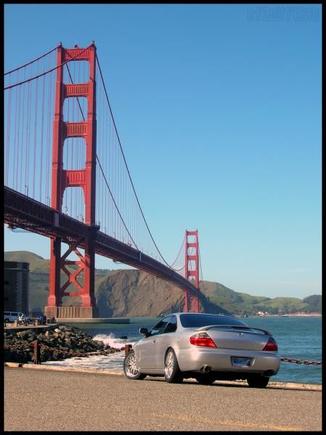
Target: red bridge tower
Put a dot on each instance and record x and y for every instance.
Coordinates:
(82, 275)
(192, 269)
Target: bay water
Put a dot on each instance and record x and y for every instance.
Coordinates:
(297, 337)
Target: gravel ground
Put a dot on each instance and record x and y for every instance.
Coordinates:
(47, 400)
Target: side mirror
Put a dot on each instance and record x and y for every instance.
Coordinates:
(144, 331)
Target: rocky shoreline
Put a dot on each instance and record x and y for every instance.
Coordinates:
(54, 344)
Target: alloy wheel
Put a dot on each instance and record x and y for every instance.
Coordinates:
(130, 367)
(172, 372)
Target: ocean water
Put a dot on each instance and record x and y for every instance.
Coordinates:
(297, 337)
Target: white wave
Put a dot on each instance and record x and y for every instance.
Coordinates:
(113, 361)
(113, 341)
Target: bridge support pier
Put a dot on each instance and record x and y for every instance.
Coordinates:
(69, 312)
(191, 303)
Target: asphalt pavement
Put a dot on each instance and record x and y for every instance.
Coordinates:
(45, 400)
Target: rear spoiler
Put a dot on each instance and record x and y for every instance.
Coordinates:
(206, 328)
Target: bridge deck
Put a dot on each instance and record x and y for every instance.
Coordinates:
(24, 212)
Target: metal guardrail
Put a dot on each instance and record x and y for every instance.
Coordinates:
(305, 362)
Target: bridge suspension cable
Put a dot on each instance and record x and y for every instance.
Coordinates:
(45, 72)
(105, 179)
(32, 61)
(126, 165)
(178, 256)
(201, 270)
(114, 201)
(30, 107)
(84, 153)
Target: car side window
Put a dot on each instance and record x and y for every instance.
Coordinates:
(159, 328)
(172, 325)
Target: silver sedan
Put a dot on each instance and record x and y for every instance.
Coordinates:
(206, 347)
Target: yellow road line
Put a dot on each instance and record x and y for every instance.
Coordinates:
(229, 423)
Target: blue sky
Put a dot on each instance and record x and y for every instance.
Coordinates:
(219, 111)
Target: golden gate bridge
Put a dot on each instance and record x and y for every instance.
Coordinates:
(67, 178)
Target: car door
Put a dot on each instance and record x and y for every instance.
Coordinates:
(148, 347)
(164, 341)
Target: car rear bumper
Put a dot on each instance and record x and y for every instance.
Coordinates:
(221, 360)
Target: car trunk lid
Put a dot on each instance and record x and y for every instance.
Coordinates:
(237, 337)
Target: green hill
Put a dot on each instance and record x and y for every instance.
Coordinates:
(235, 302)
(242, 303)
(314, 303)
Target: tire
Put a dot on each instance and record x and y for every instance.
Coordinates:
(130, 369)
(205, 378)
(172, 372)
(258, 381)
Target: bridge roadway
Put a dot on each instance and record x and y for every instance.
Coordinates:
(47, 400)
(24, 212)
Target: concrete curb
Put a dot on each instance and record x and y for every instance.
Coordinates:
(117, 372)
(64, 369)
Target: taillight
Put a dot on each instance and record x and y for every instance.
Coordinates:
(271, 345)
(202, 339)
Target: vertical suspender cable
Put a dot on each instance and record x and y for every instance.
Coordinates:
(28, 130)
(18, 139)
(105, 154)
(47, 140)
(201, 270)
(42, 139)
(15, 132)
(8, 142)
(127, 168)
(22, 142)
(16, 151)
(35, 134)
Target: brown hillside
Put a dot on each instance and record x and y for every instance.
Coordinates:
(129, 293)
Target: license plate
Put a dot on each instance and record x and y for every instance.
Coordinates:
(240, 362)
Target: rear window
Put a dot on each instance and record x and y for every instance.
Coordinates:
(199, 320)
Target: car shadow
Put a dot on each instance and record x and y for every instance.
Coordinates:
(193, 381)
(233, 384)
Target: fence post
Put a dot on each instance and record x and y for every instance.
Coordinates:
(37, 352)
